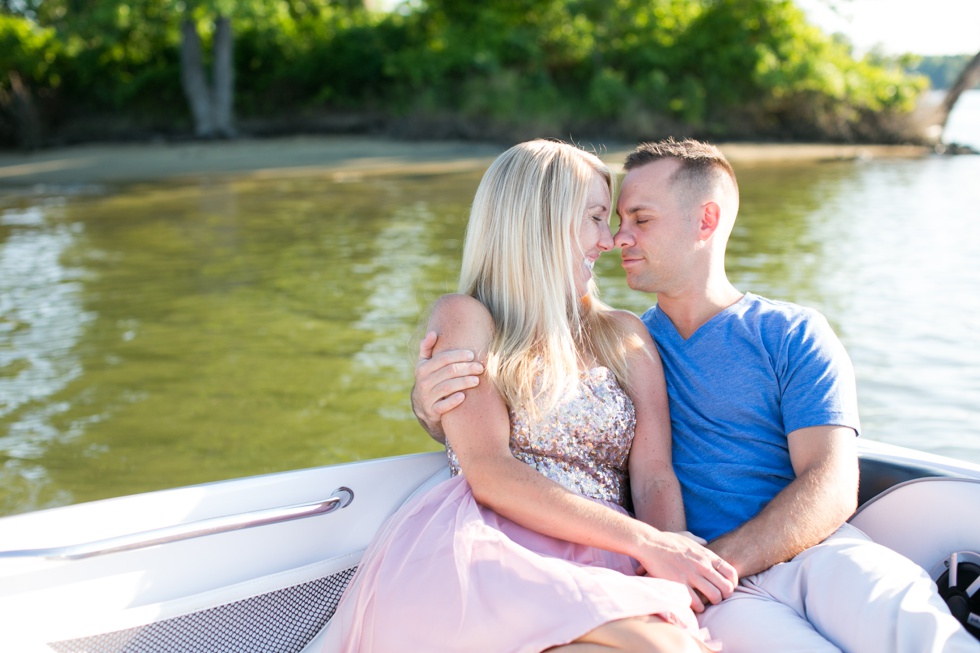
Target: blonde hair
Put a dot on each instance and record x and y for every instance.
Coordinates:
(519, 259)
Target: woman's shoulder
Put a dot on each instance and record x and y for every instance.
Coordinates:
(461, 306)
(639, 345)
(461, 320)
(631, 323)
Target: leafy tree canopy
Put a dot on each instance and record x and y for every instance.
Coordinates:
(636, 68)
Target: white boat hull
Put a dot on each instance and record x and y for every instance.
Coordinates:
(188, 570)
(167, 596)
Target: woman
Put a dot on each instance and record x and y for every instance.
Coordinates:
(529, 546)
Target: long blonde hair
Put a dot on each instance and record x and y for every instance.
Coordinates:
(519, 260)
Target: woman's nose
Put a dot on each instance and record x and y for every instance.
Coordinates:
(605, 239)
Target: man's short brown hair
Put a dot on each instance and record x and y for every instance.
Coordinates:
(697, 159)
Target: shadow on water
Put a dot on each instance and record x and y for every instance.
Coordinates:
(168, 334)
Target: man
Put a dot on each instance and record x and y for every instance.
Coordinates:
(764, 417)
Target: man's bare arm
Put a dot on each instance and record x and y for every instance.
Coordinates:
(439, 383)
(805, 512)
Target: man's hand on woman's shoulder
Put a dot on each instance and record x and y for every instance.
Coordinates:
(440, 381)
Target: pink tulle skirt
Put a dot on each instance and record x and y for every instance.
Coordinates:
(445, 574)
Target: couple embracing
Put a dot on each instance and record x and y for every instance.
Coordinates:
(675, 482)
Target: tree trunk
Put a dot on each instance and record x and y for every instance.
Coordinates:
(967, 80)
(223, 98)
(193, 80)
(27, 122)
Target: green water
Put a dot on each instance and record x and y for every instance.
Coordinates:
(160, 335)
(178, 334)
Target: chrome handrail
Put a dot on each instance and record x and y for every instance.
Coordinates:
(341, 498)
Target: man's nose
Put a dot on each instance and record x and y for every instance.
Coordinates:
(623, 237)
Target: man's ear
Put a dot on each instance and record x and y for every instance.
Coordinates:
(710, 219)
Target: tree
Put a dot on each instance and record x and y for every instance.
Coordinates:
(212, 105)
(27, 55)
(969, 78)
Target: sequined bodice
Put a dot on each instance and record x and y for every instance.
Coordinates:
(584, 443)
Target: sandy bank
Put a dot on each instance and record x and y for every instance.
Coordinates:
(127, 163)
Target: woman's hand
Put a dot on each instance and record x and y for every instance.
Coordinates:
(673, 556)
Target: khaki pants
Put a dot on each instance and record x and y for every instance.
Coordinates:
(845, 594)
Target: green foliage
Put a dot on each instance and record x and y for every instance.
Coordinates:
(30, 50)
(718, 67)
(315, 57)
(634, 68)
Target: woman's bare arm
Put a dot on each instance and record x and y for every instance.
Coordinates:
(439, 383)
(479, 431)
(655, 489)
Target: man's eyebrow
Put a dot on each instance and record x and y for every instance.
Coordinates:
(633, 209)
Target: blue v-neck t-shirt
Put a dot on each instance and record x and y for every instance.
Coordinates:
(752, 374)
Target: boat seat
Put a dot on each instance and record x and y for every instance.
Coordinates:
(930, 521)
(924, 519)
(880, 473)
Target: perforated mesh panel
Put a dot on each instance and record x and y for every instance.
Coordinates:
(283, 621)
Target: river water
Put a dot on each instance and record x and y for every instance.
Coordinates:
(166, 334)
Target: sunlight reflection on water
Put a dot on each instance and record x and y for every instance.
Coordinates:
(169, 334)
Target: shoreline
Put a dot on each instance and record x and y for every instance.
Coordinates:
(119, 164)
